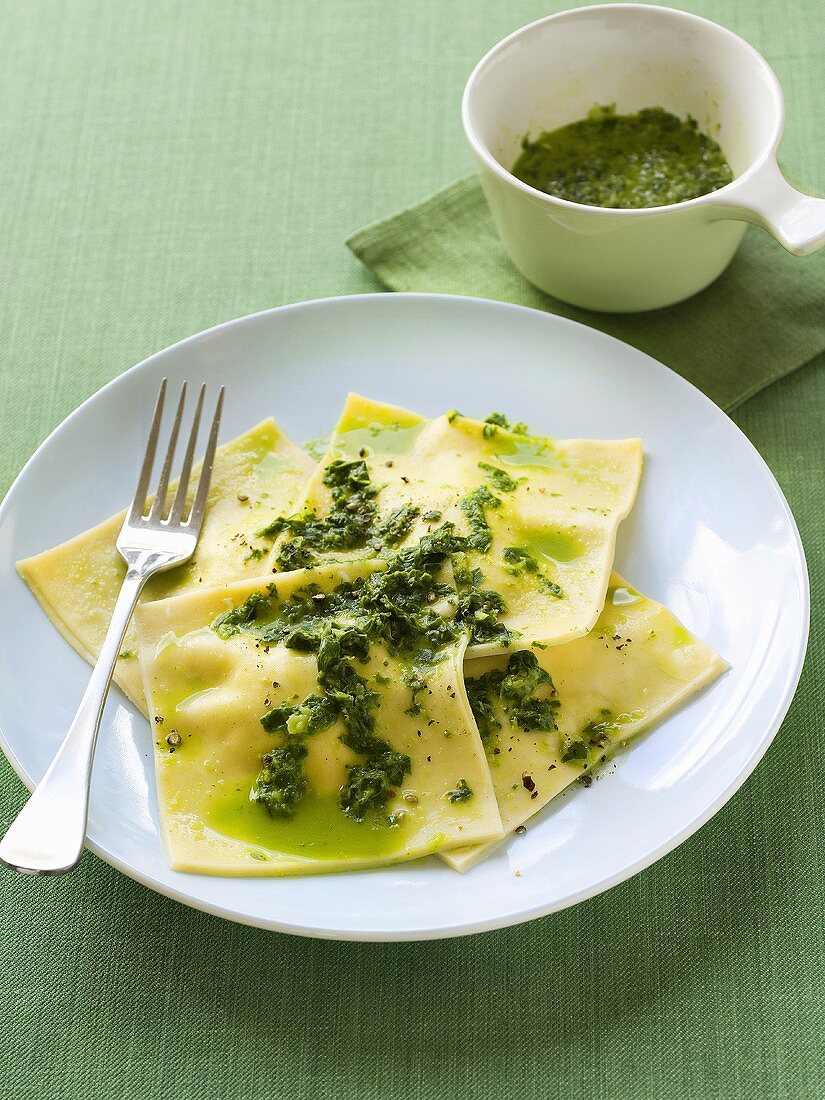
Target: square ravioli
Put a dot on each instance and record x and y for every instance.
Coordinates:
(77, 583)
(549, 717)
(538, 517)
(314, 721)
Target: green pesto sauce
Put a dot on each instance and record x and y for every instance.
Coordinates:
(347, 526)
(393, 439)
(523, 692)
(318, 829)
(597, 740)
(558, 547)
(499, 420)
(170, 703)
(499, 479)
(527, 452)
(462, 792)
(396, 607)
(648, 159)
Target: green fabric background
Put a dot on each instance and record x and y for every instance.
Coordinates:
(170, 165)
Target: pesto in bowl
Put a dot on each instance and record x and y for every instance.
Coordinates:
(651, 158)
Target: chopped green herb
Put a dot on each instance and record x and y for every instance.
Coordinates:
(281, 782)
(237, 618)
(295, 555)
(519, 560)
(416, 683)
(316, 713)
(498, 478)
(596, 734)
(370, 786)
(393, 605)
(523, 691)
(395, 528)
(596, 739)
(351, 524)
(519, 690)
(551, 587)
(350, 691)
(479, 609)
(348, 525)
(481, 691)
(576, 750)
(461, 792)
(499, 420)
(348, 479)
(475, 506)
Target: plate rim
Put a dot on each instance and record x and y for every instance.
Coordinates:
(449, 931)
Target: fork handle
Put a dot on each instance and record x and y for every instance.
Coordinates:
(47, 836)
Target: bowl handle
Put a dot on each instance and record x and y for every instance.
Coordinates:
(767, 199)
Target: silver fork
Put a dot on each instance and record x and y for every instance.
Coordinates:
(48, 834)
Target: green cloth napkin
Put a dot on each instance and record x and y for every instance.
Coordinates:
(760, 320)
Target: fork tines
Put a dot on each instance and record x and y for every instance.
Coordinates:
(157, 515)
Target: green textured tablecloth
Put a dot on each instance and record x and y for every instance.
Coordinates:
(170, 165)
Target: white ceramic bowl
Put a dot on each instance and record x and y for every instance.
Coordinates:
(553, 72)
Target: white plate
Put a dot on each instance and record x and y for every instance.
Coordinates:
(711, 536)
